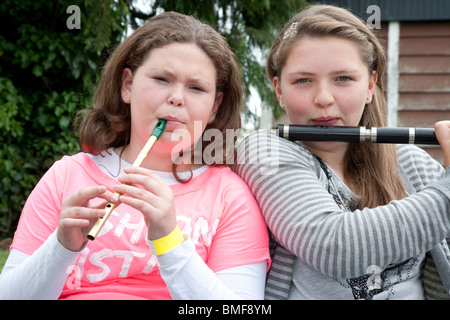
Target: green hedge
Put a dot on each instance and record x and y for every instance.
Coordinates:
(47, 73)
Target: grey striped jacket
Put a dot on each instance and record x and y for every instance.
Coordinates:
(300, 212)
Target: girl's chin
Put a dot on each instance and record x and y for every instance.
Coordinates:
(324, 145)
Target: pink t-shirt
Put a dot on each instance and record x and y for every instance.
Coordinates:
(216, 209)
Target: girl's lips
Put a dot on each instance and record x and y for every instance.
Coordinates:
(173, 123)
(173, 119)
(325, 121)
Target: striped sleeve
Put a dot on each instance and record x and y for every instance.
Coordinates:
(305, 220)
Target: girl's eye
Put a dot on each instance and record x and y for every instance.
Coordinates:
(343, 78)
(197, 88)
(161, 79)
(302, 80)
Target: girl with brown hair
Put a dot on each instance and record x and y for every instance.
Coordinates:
(348, 220)
(184, 229)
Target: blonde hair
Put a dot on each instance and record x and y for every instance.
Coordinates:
(108, 124)
(371, 168)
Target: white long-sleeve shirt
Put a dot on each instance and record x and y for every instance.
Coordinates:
(42, 275)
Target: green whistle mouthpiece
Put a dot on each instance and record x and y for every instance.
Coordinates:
(159, 128)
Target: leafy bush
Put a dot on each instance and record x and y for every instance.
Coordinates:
(47, 74)
(3, 257)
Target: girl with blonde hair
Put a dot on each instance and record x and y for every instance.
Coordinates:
(348, 220)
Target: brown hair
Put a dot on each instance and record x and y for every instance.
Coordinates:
(371, 168)
(108, 123)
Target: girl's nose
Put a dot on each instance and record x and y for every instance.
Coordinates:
(176, 97)
(323, 96)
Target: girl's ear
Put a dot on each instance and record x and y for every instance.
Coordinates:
(372, 84)
(127, 80)
(277, 86)
(217, 103)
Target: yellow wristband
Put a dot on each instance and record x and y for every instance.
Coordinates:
(166, 243)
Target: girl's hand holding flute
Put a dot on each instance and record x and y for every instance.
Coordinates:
(154, 136)
(155, 200)
(78, 215)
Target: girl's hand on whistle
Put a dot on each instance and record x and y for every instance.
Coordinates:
(78, 215)
(155, 200)
(442, 130)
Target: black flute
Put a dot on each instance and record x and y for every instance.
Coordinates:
(398, 135)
